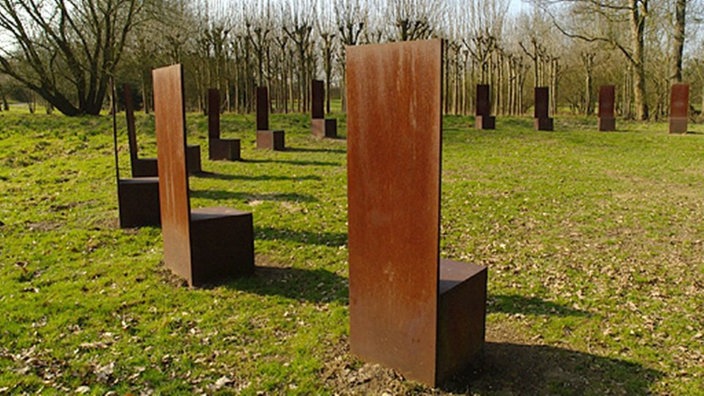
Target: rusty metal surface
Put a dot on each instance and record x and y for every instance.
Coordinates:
(170, 126)
(193, 161)
(483, 107)
(679, 100)
(213, 113)
(219, 149)
(131, 129)
(141, 167)
(222, 244)
(607, 98)
(542, 121)
(679, 108)
(271, 140)
(462, 315)
(318, 94)
(542, 101)
(394, 138)
(262, 109)
(138, 201)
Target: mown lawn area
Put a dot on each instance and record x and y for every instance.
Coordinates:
(594, 243)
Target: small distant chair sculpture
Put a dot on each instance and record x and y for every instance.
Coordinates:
(138, 197)
(679, 108)
(607, 98)
(409, 309)
(204, 245)
(542, 121)
(483, 118)
(266, 138)
(321, 127)
(219, 149)
(147, 167)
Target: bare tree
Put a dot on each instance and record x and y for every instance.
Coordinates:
(66, 50)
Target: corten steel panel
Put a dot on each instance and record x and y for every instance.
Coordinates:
(223, 244)
(679, 100)
(131, 129)
(607, 97)
(483, 107)
(485, 122)
(271, 140)
(224, 149)
(193, 159)
(262, 109)
(679, 108)
(607, 124)
(170, 126)
(462, 315)
(318, 127)
(213, 114)
(141, 167)
(138, 202)
(394, 138)
(542, 99)
(318, 93)
(543, 124)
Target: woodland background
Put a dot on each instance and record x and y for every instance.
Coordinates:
(63, 53)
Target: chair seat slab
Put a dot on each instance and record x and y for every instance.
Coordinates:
(224, 149)
(461, 315)
(144, 167)
(222, 244)
(138, 201)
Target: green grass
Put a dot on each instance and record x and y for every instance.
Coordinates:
(594, 243)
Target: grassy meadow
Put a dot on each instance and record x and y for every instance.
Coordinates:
(594, 243)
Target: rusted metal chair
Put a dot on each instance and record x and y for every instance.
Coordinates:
(219, 149)
(321, 127)
(483, 118)
(138, 197)
(266, 138)
(409, 309)
(147, 167)
(205, 245)
(541, 118)
(679, 108)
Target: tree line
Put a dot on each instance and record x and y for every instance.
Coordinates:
(64, 53)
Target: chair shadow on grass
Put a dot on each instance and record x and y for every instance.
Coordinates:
(318, 150)
(516, 369)
(521, 369)
(292, 162)
(324, 238)
(222, 176)
(517, 304)
(312, 285)
(217, 195)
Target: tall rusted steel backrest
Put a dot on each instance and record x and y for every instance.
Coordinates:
(318, 102)
(542, 102)
(679, 108)
(262, 109)
(394, 141)
(607, 99)
(170, 123)
(213, 114)
(131, 130)
(483, 106)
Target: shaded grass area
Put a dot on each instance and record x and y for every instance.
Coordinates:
(594, 243)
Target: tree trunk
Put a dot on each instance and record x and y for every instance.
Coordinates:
(638, 42)
(678, 41)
